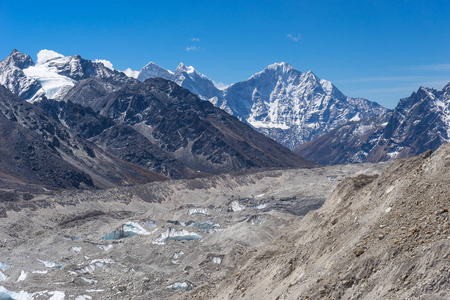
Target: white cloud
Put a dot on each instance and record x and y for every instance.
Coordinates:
(131, 73)
(46, 55)
(192, 48)
(195, 39)
(106, 63)
(295, 38)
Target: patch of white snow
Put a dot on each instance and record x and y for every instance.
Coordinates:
(23, 276)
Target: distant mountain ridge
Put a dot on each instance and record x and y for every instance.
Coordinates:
(170, 122)
(53, 74)
(419, 123)
(283, 103)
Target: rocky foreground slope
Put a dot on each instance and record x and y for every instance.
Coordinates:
(383, 237)
(162, 240)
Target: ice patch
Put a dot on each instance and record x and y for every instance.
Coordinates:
(75, 249)
(393, 155)
(22, 295)
(259, 196)
(92, 281)
(95, 291)
(23, 276)
(104, 247)
(198, 211)
(388, 209)
(217, 260)
(51, 81)
(149, 223)
(236, 206)
(83, 297)
(176, 235)
(178, 254)
(128, 229)
(96, 263)
(57, 295)
(4, 266)
(40, 272)
(50, 264)
(185, 286)
(3, 277)
(390, 189)
(260, 124)
(260, 206)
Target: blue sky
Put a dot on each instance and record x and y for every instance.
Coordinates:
(379, 50)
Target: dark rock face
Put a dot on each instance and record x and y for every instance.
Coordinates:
(37, 149)
(419, 123)
(192, 132)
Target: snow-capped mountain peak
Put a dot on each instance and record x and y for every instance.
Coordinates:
(13, 77)
(18, 59)
(188, 69)
(53, 74)
(152, 70)
(281, 67)
(185, 76)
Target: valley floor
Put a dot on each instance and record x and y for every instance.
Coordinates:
(162, 240)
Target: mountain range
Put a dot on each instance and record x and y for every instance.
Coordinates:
(299, 110)
(281, 102)
(419, 123)
(155, 124)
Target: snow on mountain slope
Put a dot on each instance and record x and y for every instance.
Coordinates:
(419, 123)
(283, 103)
(53, 74)
(185, 76)
(14, 79)
(293, 107)
(45, 72)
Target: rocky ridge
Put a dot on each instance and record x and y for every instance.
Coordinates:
(419, 123)
(281, 102)
(180, 126)
(37, 149)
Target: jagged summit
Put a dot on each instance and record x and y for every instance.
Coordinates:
(290, 106)
(53, 74)
(283, 66)
(419, 123)
(280, 101)
(19, 59)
